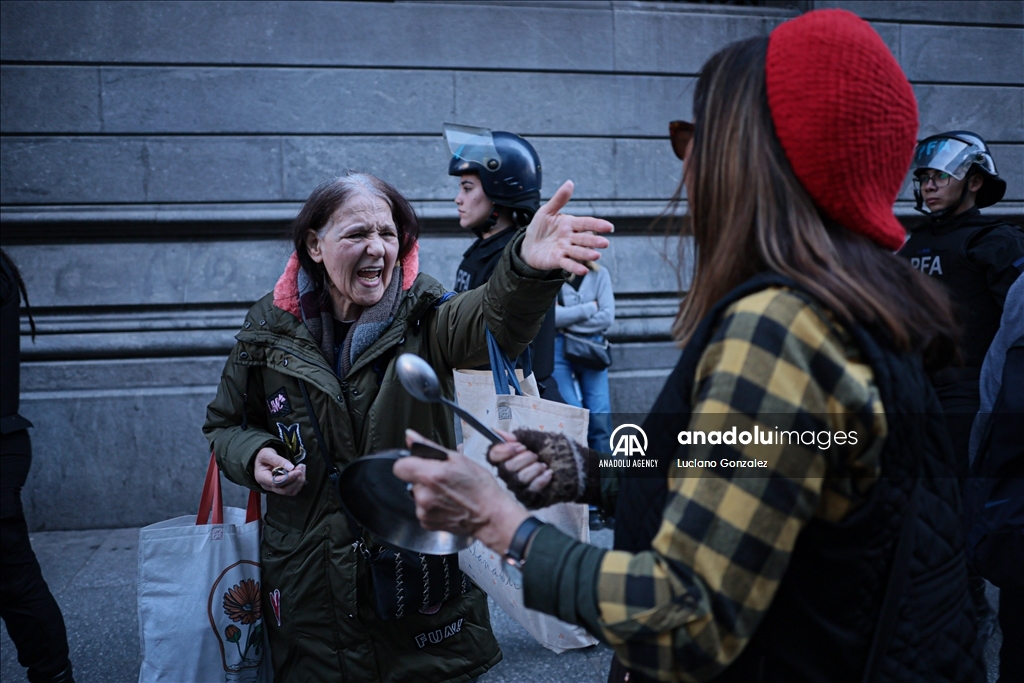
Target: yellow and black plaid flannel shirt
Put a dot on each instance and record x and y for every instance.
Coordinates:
(684, 610)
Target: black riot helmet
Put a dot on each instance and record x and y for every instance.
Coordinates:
(957, 153)
(508, 166)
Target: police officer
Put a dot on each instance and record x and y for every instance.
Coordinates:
(978, 258)
(499, 191)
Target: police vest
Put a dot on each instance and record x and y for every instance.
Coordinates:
(941, 250)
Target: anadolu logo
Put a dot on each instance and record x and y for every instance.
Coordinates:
(633, 441)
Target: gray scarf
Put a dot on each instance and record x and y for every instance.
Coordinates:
(317, 314)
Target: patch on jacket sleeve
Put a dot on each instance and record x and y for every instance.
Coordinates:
(278, 404)
(292, 438)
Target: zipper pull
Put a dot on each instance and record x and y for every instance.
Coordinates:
(361, 548)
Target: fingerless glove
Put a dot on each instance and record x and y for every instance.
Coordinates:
(574, 476)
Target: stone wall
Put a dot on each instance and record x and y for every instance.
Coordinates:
(153, 152)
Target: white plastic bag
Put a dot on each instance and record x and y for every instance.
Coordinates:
(200, 607)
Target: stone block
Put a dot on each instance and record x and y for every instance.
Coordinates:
(131, 373)
(49, 99)
(440, 256)
(633, 392)
(141, 274)
(213, 169)
(588, 162)
(909, 11)
(309, 33)
(639, 265)
(651, 41)
(160, 341)
(958, 54)
(155, 100)
(1010, 164)
(646, 104)
(118, 443)
(572, 104)
(890, 34)
(646, 169)
(115, 458)
(91, 170)
(995, 113)
(644, 356)
(274, 100)
(417, 166)
(537, 103)
(62, 170)
(636, 330)
(642, 264)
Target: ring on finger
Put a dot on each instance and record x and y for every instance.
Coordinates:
(279, 476)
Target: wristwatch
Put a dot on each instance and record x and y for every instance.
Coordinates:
(515, 557)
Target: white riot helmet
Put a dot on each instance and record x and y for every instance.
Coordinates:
(956, 154)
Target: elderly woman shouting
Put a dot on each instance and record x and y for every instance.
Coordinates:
(311, 386)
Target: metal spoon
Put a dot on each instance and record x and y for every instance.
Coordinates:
(420, 380)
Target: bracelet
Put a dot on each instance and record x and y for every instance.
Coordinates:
(516, 553)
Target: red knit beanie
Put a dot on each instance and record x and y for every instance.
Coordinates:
(846, 117)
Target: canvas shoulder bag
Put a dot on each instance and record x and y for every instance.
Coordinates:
(200, 603)
(501, 399)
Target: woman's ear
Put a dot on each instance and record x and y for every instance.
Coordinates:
(313, 247)
(977, 180)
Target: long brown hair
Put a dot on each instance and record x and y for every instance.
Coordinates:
(749, 214)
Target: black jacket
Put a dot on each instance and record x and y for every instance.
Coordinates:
(977, 259)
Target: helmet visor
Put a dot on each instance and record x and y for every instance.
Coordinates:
(475, 145)
(948, 155)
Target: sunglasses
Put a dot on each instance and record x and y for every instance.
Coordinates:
(680, 132)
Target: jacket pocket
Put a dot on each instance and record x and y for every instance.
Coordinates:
(455, 643)
(308, 595)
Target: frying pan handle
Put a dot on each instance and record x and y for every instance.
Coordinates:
(423, 450)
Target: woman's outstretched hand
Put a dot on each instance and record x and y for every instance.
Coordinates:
(461, 497)
(557, 240)
(277, 474)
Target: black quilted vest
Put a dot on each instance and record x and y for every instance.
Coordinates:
(821, 622)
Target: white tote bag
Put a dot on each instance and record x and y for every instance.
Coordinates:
(200, 609)
(487, 395)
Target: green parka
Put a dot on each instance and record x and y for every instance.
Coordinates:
(328, 628)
